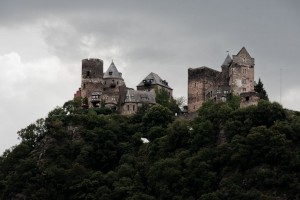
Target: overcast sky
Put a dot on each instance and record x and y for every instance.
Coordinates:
(42, 44)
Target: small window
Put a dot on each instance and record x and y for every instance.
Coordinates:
(110, 73)
(84, 86)
(244, 89)
(244, 71)
(247, 98)
(195, 84)
(127, 107)
(117, 82)
(88, 73)
(133, 107)
(243, 81)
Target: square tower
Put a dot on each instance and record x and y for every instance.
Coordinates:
(241, 73)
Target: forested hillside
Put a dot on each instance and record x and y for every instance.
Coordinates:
(225, 153)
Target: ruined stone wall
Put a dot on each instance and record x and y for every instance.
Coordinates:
(92, 68)
(249, 98)
(199, 80)
(91, 78)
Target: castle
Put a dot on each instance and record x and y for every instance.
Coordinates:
(236, 77)
(109, 89)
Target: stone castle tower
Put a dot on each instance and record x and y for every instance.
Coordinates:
(97, 87)
(241, 73)
(113, 85)
(109, 89)
(236, 77)
(91, 80)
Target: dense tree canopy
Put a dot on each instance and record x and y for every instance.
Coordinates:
(224, 153)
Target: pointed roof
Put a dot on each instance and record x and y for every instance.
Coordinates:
(156, 80)
(112, 72)
(227, 61)
(243, 53)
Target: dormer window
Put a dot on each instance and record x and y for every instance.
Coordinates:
(147, 82)
(110, 73)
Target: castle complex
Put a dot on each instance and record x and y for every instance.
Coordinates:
(236, 77)
(109, 89)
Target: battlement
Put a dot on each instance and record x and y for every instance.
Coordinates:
(91, 60)
(92, 68)
(200, 72)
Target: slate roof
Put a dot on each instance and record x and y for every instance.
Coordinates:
(112, 72)
(137, 96)
(156, 80)
(227, 61)
(243, 51)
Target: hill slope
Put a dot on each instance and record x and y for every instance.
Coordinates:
(225, 153)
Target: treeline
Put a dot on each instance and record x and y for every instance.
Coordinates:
(225, 153)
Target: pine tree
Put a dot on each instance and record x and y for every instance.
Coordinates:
(259, 88)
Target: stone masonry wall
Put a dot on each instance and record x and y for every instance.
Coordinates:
(199, 80)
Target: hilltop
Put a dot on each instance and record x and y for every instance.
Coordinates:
(226, 152)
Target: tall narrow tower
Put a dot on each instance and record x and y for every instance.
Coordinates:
(114, 85)
(91, 81)
(241, 73)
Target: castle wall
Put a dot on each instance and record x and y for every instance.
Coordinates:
(241, 73)
(91, 78)
(199, 80)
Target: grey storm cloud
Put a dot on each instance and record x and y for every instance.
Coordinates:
(43, 42)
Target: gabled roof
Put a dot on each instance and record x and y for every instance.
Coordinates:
(112, 72)
(243, 53)
(227, 61)
(156, 80)
(137, 96)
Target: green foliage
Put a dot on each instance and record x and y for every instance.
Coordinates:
(259, 88)
(158, 115)
(234, 101)
(76, 153)
(163, 98)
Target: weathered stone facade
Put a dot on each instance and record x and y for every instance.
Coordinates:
(109, 88)
(236, 77)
